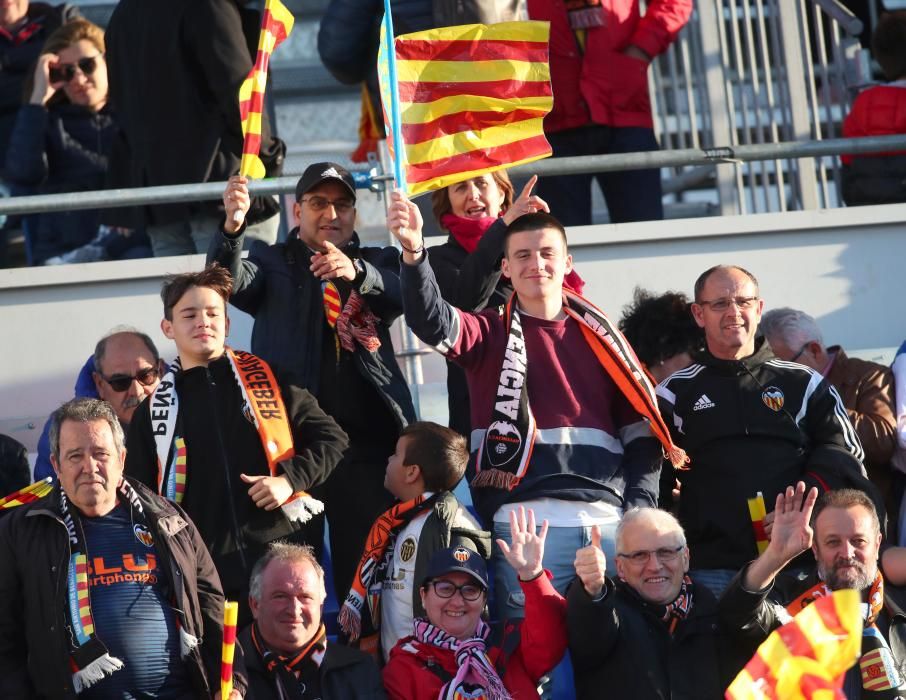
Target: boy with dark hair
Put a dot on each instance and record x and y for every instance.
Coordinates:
(223, 438)
(429, 461)
(880, 178)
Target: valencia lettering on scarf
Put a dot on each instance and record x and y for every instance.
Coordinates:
(264, 403)
(505, 455)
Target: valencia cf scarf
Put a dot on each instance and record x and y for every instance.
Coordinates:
(880, 675)
(364, 621)
(293, 673)
(263, 404)
(89, 659)
(505, 454)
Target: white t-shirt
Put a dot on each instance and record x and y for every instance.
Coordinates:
(396, 598)
(560, 513)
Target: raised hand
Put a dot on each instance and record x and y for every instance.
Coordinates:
(591, 563)
(791, 534)
(43, 88)
(236, 203)
(526, 203)
(405, 222)
(526, 552)
(333, 263)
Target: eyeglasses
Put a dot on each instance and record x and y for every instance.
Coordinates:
(665, 555)
(119, 382)
(721, 305)
(66, 71)
(799, 354)
(342, 206)
(447, 589)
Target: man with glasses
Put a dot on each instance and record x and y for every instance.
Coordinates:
(323, 306)
(866, 388)
(751, 424)
(124, 370)
(653, 611)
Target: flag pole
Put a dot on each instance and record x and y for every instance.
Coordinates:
(395, 119)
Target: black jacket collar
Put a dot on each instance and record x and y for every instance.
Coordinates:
(763, 353)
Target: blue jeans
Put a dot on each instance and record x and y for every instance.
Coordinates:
(631, 195)
(559, 557)
(715, 580)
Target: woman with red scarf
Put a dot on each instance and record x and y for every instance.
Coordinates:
(477, 212)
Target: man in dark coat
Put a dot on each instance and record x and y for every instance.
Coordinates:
(150, 608)
(323, 307)
(176, 94)
(286, 651)
(653, 633)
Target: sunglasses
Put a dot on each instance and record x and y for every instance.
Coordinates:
(447, 589)
(120, 383)
(65, 72)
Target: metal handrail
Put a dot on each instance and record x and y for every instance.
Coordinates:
(105, 199)
(842, 15)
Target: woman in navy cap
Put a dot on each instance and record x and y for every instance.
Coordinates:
(449, 656)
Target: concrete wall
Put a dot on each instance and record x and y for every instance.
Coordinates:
(847, 267)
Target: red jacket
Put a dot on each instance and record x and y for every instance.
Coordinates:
(604, 86)
(876, 111)
(542, 643)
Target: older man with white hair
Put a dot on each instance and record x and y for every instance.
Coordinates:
(866, 388)
(654, 611)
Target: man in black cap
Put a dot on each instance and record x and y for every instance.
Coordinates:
(323, 306)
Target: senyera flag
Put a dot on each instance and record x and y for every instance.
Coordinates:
(806, 658)
(276, 24)
(462, 101)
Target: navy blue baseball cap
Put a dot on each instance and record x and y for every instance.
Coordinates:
(445, 561)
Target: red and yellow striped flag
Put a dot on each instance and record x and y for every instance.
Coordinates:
(807, 657)
(757, 513)
(472, 100)
(29, 493)
(276, 24)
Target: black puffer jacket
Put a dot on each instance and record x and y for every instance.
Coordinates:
(63, 148)
(34, 640)
(621, 648)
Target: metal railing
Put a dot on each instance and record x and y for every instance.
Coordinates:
(749, 72)
(730, 156)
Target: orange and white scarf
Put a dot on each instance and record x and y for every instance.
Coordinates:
(263, 403)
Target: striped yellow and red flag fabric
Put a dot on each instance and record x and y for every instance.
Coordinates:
(276, 24)
(29, 493)
(472, 100)
(806, 658)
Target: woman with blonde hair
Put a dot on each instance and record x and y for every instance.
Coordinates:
(61, 139)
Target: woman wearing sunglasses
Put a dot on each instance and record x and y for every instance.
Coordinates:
(450, 654)
(60, 143)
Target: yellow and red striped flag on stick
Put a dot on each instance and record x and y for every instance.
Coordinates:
(227, 649)
(463, 101)
(758, 512)
(276, 24)
(29, 493)
(807, 658)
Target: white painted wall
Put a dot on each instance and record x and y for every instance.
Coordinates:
(847, 267)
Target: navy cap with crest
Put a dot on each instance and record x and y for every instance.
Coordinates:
(462, 559)
(318, 173)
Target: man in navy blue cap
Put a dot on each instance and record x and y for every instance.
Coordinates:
(323, 306)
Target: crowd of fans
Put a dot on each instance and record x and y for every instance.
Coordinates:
(611, 467)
